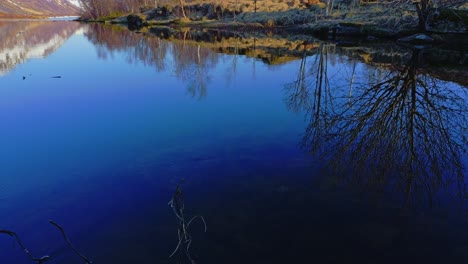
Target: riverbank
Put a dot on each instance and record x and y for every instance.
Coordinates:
(372, 21)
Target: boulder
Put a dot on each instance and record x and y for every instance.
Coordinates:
(160, 13)
(352, 29)
(135, 21)
(417, 39)
(119, 20)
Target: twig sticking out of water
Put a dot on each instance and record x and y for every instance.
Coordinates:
(177, 204)
(60, 228)
(18, 240)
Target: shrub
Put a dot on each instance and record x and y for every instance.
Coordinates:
(270, 23)
(317, 7)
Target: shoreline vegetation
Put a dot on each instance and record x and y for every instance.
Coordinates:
(440, 61)
(424, 21)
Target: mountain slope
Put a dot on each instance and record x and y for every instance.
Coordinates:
(37, 8)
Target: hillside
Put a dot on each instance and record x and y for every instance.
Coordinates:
(37, 8)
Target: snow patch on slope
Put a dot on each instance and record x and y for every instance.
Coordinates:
(75, 3)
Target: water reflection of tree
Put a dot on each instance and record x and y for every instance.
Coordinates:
(403, 131)
(190, 63)
(108, 40)
(313, 96)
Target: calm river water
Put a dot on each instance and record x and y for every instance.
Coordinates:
(292, 149)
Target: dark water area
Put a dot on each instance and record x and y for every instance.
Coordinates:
(293, 150)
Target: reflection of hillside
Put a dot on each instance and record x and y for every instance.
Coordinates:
(24, 40)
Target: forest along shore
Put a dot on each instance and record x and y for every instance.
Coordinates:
(328, 19)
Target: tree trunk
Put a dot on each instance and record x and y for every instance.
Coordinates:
(423, 8)
(182, 8)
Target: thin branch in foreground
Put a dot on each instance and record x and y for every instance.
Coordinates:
(177, 204)
(60, 228)
(18, 240)
(197, 216)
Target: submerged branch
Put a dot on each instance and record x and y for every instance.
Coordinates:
(177, 204)
(18, 240)
(69, 242)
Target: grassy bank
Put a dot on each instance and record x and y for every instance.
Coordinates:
(374, 20)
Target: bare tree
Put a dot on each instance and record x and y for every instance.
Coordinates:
(182, 8)
(329, 7)
(95, 9)
(427, 8)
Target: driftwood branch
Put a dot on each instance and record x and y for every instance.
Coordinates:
(177, 204)
(18, 240)
(60, 228)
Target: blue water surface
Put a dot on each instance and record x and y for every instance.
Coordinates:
(96, 139)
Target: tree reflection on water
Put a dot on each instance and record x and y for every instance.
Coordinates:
(189, 63)
(190, 54)
(390, 127)
(396, 130)
(192, 64)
